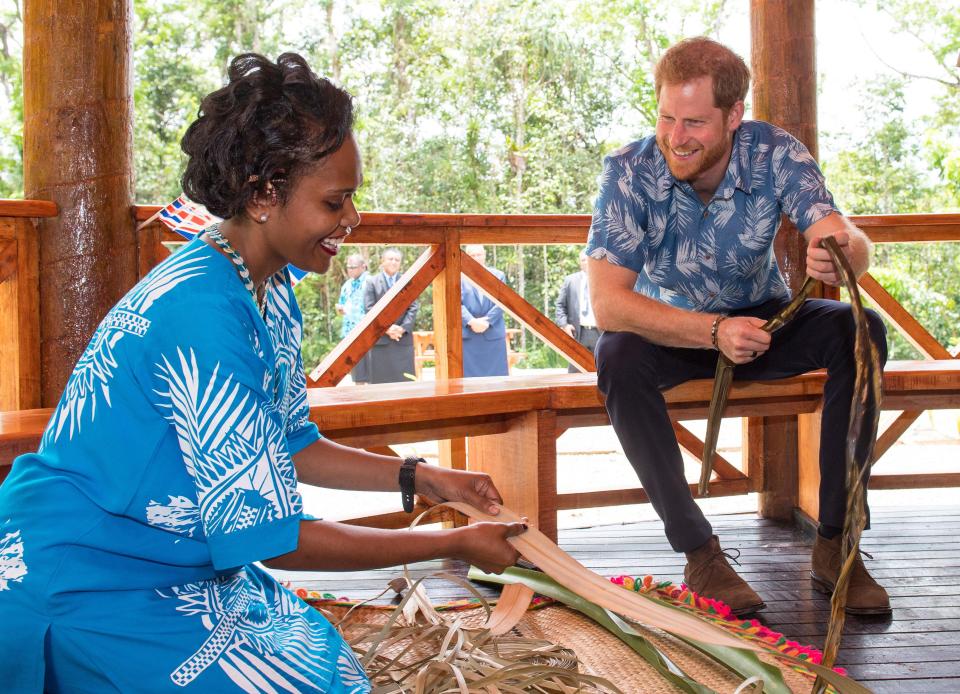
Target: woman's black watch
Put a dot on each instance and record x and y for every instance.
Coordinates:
(408, 481)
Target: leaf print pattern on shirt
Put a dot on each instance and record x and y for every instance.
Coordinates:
(261, 638)
(179, 515)
(713, 257)
(233, 449)
(12, 566)
(91, 377)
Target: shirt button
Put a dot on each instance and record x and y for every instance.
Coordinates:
(707, 256)
(705, 213)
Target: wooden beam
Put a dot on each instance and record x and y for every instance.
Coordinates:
(808, 463)
(619, 497)
(693, 445)
(78, 153)
(772, 449)
(907, 325)
(783, 60)
(897, 228)
(892, 433)
(447, 335)
(28, 208)
(930, 480)
(338, 363)
(150, 249)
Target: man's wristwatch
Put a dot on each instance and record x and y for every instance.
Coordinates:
(408, 481)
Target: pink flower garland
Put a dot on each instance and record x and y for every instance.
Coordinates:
(719, 612)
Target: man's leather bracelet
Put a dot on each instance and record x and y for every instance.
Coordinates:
(408, 481)
(715, 330)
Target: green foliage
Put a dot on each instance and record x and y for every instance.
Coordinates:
(167, 91)
(500, 106)
(11, 110)
(899, 166)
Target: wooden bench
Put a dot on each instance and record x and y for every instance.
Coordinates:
(511, 426)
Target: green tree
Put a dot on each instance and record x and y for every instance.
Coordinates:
(168, 87)
(11, 110)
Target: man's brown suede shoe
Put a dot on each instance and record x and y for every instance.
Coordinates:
(864, 596)
(709, 574)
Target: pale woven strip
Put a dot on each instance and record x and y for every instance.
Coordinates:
(420, 651)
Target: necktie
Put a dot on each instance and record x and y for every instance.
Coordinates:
(585, 304)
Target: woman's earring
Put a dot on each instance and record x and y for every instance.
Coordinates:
(263, 218)
(348, 230)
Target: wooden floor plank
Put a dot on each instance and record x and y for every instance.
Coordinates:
(918, 686)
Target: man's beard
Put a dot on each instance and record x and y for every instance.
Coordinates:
(690, 169)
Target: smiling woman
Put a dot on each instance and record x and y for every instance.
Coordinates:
(171, 464)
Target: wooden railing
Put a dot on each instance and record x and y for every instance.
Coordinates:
(441, 265)
(20, 302)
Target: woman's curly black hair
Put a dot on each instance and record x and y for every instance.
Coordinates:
(269, 124)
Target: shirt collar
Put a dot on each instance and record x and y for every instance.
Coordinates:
(739, 170)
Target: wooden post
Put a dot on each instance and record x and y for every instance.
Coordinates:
(447, 337)
(78, 141)
(523, 463)
(448, 343)
(783, 57)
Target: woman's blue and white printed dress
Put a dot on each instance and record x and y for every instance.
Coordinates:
(127, 541)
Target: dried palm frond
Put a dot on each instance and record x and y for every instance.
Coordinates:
(861, 437)
(417, 650)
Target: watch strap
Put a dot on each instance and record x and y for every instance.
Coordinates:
(408, 482)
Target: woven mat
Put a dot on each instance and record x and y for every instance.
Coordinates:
(599, 652)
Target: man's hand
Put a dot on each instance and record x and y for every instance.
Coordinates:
(479, 325)
(819, 264)
(395, 332)
(741, 339)
(568, 329)
(439, 484)
(340, 309)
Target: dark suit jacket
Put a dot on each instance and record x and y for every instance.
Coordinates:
(568, 302)
(376, 287)
(476, 304)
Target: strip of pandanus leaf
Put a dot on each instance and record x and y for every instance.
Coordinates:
(723, 377)
(474, 663)
(544, 585)
(740, 661)
(862, 435)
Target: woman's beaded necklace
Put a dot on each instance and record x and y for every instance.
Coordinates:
(259, 298)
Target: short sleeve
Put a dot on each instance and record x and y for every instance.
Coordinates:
(301, 432)
(798, 182)
(617, 228)
(210, 384)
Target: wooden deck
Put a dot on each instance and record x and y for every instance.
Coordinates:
(917, 558)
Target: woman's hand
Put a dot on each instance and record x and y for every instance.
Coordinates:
(485, 545)
(439, 484)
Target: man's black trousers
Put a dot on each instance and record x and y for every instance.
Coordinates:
(631, 372)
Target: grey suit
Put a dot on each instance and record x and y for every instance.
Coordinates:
(568, 312)
(390, 359)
